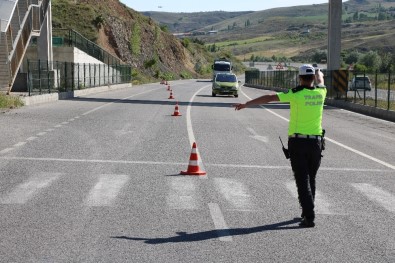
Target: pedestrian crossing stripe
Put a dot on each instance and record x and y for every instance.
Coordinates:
(384, 198)
(26, 190)
(106, 189)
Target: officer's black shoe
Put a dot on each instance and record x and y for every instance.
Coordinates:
(307, 223)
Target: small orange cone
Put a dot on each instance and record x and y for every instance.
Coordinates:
(171, 95)
(193, 167)
(176, 111)
(168, 87)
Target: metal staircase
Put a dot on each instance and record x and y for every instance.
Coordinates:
(19, 21)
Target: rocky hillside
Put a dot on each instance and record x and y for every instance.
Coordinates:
(136, 39)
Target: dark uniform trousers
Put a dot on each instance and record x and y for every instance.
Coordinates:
(305, 154)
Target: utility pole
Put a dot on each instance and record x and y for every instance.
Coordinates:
(334, 34)
(334, 41)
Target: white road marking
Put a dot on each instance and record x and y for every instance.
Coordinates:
(191, 135)
(58, 126)
(31, 138)
(6, 150)
(41, 134)
(106, 190)
(256, 136)
(19, 144)
(179, 164)
(321, 205)
(64, 123)
(362, 154)
(107, 104)
(25, 191)
(335, 142)
(219, 223)
(182, 194)
(49, 130)
(384, 198)
(71, 120)
(234, 192)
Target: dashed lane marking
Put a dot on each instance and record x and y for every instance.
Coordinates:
(19, 144)
(31, 138)
(6, 150)
(219, 223)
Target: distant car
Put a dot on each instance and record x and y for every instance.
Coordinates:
(360, 83)
(225, 84)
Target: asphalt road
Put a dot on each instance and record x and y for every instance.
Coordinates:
(96, 179)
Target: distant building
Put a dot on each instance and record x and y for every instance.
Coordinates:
(213, 32)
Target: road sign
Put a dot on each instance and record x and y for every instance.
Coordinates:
(340, 80)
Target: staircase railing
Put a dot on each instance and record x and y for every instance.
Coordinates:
(16, 45)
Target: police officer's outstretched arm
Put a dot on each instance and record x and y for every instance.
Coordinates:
(258, 101)
(319, 77)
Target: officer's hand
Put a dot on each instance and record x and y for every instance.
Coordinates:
(239, 106)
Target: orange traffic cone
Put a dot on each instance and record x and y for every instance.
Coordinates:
(168, 87)
(176, 111)
(193, 167)
(171, 95)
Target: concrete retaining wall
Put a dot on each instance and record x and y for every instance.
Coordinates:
(33, 100)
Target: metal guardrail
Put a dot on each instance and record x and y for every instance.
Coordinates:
(54, 77)
(381, 95)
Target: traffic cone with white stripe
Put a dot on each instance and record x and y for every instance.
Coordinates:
(193, 167)
(171, 95)
(176, 111)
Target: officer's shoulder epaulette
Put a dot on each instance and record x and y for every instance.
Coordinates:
(296, 89)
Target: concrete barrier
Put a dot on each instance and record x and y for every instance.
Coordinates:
(387, 115)
(44, 98)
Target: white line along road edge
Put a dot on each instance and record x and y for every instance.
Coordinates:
(333, 141)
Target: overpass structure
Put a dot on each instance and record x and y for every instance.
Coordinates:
(20, 20)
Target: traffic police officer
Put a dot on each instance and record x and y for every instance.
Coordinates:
(305, 133)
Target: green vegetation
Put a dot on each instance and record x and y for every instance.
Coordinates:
(9, 102)
(135, 40)
(68, 14)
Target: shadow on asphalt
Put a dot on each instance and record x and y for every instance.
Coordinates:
(211, 234)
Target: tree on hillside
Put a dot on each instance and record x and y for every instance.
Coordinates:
(319, 55)
(352, 57)
(371, 60)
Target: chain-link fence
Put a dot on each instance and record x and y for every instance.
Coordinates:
(51, 77)
(376, 89)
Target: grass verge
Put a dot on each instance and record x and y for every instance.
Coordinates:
(10, 102)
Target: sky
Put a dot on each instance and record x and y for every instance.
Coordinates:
(176, 6)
